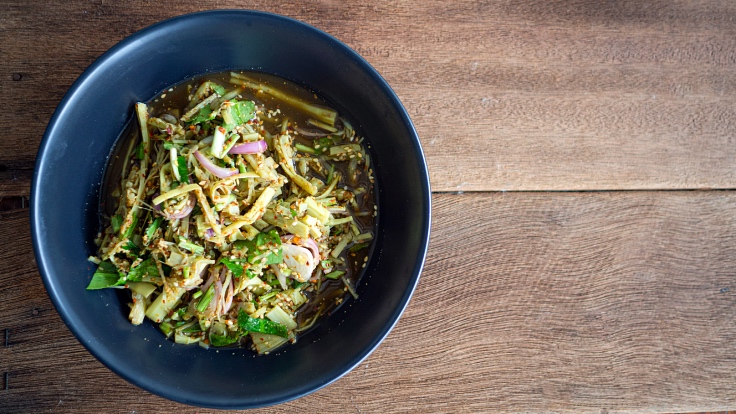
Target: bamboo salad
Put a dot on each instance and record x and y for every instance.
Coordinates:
(245, 213)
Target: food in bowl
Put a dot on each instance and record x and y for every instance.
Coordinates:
(243, 212)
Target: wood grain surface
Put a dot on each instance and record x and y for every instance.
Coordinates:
(585, 302)
(506, 95)
(533, 298)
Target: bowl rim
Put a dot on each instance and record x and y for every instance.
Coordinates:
(46, 270)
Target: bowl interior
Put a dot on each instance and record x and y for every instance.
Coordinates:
(69, 170)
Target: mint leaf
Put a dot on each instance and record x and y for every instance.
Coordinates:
(241, 112)
(145, 268)
(106, 275)
(219, 89)
(234, 267)
(181, 165)
(260, 245)
(204, 114)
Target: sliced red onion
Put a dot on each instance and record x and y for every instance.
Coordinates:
(254, 147)
(188, 207)
(309, 242)
(218, 171)
(169, 118)
(315, 134)
(156, 207)
(228, 298)
(214, 305)
(209, 233)
(280, 276)
(223, 274)
(294, 258)
(210, 280)
(312, 245)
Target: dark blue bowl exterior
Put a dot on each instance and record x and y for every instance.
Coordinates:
(73, 155)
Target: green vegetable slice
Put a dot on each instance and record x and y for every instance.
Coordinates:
(116, 221)
(192, 247)
(153, 227)
(248, 324)
(335, 275)
(205, 301)
(129, 230)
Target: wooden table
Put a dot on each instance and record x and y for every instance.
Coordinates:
(582, 158)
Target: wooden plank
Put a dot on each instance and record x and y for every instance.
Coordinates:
(529, 302)
(552, 95)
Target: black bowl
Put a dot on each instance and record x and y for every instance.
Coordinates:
(69, 171)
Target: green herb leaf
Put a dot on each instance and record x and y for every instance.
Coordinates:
(234, 267)
(132, 248)
(145, 268)
(151, 230)
(218, 89)
(106, 275)
(204, 114)
(265, 326)
(250, 274)
(260, 244)
(139, 152)
(241, 112)
(181, 165)
(116, 221)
